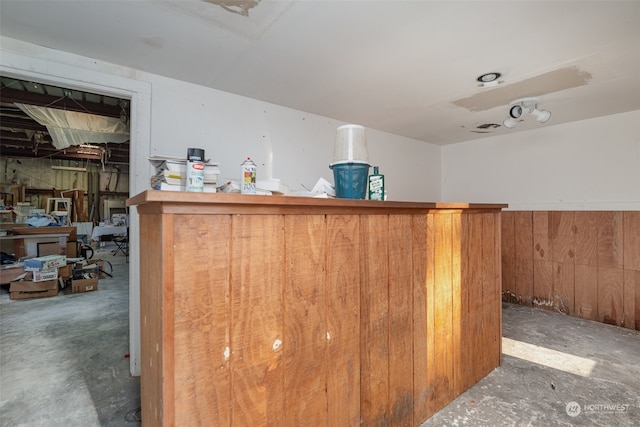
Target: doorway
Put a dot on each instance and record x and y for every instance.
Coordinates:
(138, 92)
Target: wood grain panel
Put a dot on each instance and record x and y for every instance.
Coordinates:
(523, 223)
(508, 257)
(152, 342)
(442, 388)
(257, 338)
(637, 299)
(586, 227)
(490, 290)
(305, 325)
(475, 280)
(562, 234)
(400, 321)
(202, 318)
(293, 315)
(541, 236)
(374, 319)
(610, 295)
(343, 320)
(543, 286)
(497, 306)
(463, 368)
(610, 239)
(631, 284)
(421, 242)
(456, 303)
(632, 240)
(564, 287)
(586, 286)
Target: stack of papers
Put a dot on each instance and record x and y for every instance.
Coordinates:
(323, 189)
(272, 185)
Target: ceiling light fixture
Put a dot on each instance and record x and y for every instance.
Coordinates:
(489, 79)
(525, 105)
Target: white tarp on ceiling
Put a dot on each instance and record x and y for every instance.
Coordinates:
(69, 128)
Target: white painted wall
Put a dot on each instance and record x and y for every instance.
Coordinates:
(588, 165)
(291, 145)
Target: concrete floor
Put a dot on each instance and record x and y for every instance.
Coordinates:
(566, 372)
(62, 359)
(62, 363)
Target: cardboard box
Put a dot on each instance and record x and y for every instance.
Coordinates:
(45, 262)
(73, 249)
(100, 264)
(28, 289)
(44, 275)
(84, 285)
(9, 272)
(65, 272)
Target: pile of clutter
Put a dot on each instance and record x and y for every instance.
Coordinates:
(171, 174)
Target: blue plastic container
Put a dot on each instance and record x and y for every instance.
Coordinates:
(350, 179)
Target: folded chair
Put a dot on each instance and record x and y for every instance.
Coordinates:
(122, 245)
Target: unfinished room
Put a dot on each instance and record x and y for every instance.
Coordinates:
(319, 213)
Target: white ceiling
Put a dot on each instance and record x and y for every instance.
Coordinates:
(404, 67)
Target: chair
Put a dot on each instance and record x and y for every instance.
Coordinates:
(122, 245)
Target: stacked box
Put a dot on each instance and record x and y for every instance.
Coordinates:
(65, 272)
(85, 278)
(48, 262)
(44, 275)
(25, 287)
(84, 285)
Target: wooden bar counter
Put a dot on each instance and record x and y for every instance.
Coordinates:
(292, 311)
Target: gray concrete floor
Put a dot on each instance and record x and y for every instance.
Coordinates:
(62, 363)
(63, 359)
(566, 372)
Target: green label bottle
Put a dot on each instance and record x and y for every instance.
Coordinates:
(376, 185)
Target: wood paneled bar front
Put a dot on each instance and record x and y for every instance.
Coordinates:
(289, 311)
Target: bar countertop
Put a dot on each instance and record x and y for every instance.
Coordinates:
(286, 201)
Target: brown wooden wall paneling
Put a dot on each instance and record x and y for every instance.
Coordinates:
(464, 370)
(151, 295)
(400, 321)
(374, 320)
(442, 387)
(610, 239)
(257, 337)
(201, 323)
(523, 223)
(630, 289)
(631, 221)
(610, 295)
(542, 264)
(586, 298)
(490, 295)
(610, 267)
(424, 331)
(586, 226)
(304, 320)
(508, 259)
(585, 263)
(459, 358)
(475, 281)
(562, 239)
(343, 320)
